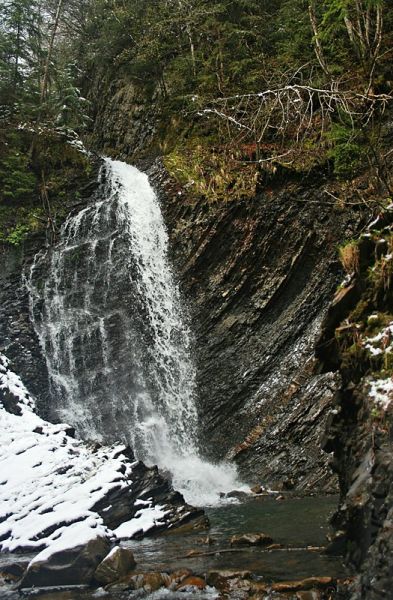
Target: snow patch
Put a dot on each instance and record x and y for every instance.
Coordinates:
(382, 342)
(51, 482)
(381, 391)
(144, 519)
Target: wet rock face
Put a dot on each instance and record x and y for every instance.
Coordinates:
(125, 121)
(258, 275)
(18, 339)
(359, 432)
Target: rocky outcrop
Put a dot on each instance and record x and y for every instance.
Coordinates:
(356, 340)
(258, 276)
(125, 120)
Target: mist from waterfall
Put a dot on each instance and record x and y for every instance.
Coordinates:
(108, 313)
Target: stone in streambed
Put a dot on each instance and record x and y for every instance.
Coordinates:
(115, 565)
(209, 541)
(150, 582)
(154, 581)
(13, 571)
(192, 582)
(251, 539)
(303, 584)
(72, 566)
(309, 595)
(178, 576)
(239, 494)
(218, 578)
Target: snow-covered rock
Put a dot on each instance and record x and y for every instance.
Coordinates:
(65, 563)
(59, 493)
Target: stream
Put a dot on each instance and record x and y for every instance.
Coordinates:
(299, 524)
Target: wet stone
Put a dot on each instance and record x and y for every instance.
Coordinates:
(115, 565)
(13, 571)
(303, 584)
(251, 539)
(240, 495)
(217, 578)
(309, 595)
(192, 582)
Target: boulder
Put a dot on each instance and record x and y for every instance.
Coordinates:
(155, 581)
(251, 539)
(150, 582)
(115, 565)
(71, 566)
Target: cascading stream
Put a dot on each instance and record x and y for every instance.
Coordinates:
(107, 310)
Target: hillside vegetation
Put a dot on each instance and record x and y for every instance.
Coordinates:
(242, 90)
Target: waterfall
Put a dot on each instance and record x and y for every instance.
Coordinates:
(108, 314)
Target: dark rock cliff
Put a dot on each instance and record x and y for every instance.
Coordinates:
(18, 339)
(258, 276)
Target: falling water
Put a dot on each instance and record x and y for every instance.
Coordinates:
(108, 314)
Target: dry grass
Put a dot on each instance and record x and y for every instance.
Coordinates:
(349, 257)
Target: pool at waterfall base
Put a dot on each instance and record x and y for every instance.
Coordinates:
(298, 526)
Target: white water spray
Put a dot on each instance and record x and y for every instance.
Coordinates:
(107, 310)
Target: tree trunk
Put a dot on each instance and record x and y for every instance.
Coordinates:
(317, 42)
(50, 51)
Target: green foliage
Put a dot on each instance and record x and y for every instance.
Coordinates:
(35, 189)
(17, 235)
(346, 152)
(16, 177)
(293, 37)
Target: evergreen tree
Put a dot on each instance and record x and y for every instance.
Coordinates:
(20, 53)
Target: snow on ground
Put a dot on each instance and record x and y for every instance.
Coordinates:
(50, 482)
